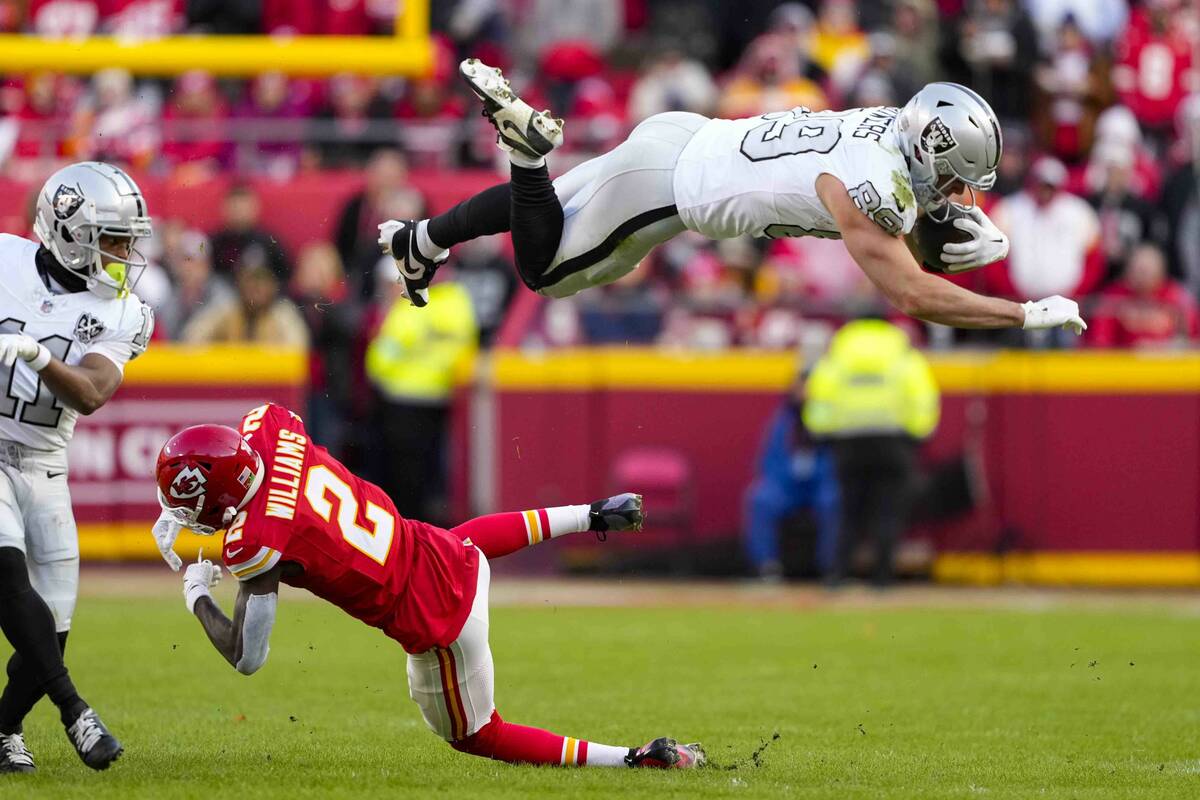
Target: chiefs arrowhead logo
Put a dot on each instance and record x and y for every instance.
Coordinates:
(936, 138)
(190, 482)
(66, 202)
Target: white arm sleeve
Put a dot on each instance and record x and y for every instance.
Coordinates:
(256, 631)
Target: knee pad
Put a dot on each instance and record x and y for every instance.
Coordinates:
(483, 741)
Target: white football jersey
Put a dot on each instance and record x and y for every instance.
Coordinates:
(758, 176)
(70, 326)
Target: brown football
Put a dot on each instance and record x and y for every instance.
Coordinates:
(931, 235)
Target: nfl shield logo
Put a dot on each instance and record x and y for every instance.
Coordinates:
(47, 306)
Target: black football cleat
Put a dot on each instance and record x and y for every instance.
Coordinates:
(621, 512)
(398, 238)
(666, 753)
(95, 745)
(14, 755)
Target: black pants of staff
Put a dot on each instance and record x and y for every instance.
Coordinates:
(410, 457)
(875, 474)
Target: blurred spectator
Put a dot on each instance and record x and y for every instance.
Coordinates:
(671, 82)
(767, 80)
(1117, 129)
(124, 126)
(11, 15)
(1180, 204)
(143, 19)
(1154, 70)
(998, 44)
(272, 104)
(883, 81)
(1144, 308)
(194, 122)
(63, 19)
(793, 473)
(351, 125)
(915, 28)
(1125, 218)
(43, 121)
(319, 290)
(1099, 20)
(196, 287)
(240, 233)
(838, 45)
(543, 23)
(413, 362)
(873, 397)
(225, 16)
(357, 237)
(1053, 235)
(258, 314)
(490, 279)
(1073, 87)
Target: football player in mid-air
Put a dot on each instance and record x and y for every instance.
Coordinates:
(294, 514)
(68, 325)
(862, 175)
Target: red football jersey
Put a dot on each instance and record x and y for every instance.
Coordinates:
(413, 581)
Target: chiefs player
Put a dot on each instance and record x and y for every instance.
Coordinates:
(294, 514)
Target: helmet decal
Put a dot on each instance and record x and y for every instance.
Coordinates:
(937, 138)
(190, 482)
(67, 200)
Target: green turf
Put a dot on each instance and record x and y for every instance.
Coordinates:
(868, 703)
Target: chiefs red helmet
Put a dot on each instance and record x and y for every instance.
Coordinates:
(206, 474)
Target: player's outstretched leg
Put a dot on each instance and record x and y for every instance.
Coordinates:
(518, 744)
(527, 205)
(29, 627)
(500, 534)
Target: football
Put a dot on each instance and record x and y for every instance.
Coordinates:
(931, 235)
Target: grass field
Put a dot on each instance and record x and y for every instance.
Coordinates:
(911, 695)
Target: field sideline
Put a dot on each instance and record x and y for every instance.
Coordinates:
(924, 693)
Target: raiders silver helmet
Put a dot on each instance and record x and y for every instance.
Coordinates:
(79, 204)
(948, 134)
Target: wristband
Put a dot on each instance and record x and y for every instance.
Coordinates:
(41, 360)
(192, 594)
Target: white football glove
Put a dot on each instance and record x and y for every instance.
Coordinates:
(1053, 312)
(26, 348)
(198, 579)
(166, 531)
(988, 243)
(386, 231)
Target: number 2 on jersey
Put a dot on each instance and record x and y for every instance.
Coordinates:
(374, 544)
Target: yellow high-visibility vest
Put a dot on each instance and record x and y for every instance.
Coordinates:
(419, 351)
(872, 381)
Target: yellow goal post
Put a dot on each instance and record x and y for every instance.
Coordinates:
(408, 53)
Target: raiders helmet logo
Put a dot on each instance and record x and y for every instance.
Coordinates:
(189, 483)
(87, 328)
(66, 202)
(936, 138)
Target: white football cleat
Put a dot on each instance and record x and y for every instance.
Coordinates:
(398, 238)
(518, 126)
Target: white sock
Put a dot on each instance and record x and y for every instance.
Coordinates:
(605, 755)
(522, 160)
(568, 519)
(427, 246)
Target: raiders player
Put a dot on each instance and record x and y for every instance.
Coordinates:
(68, 324)
(861, 175)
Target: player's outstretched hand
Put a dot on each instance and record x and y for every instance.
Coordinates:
(198, 579)
(166, 531)
(1053, 312)
(988, 243)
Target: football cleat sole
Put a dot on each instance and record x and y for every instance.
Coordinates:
(518, 127)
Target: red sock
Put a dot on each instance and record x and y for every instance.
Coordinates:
(500, 534)
(518, 744)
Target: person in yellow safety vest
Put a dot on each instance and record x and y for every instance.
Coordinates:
(873, 397)
(413, 362)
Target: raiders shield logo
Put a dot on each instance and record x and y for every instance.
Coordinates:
(88, 328)
(190, 482)
(66, 202)
(936, 138)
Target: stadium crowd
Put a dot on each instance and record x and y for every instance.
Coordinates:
(1098, 189)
